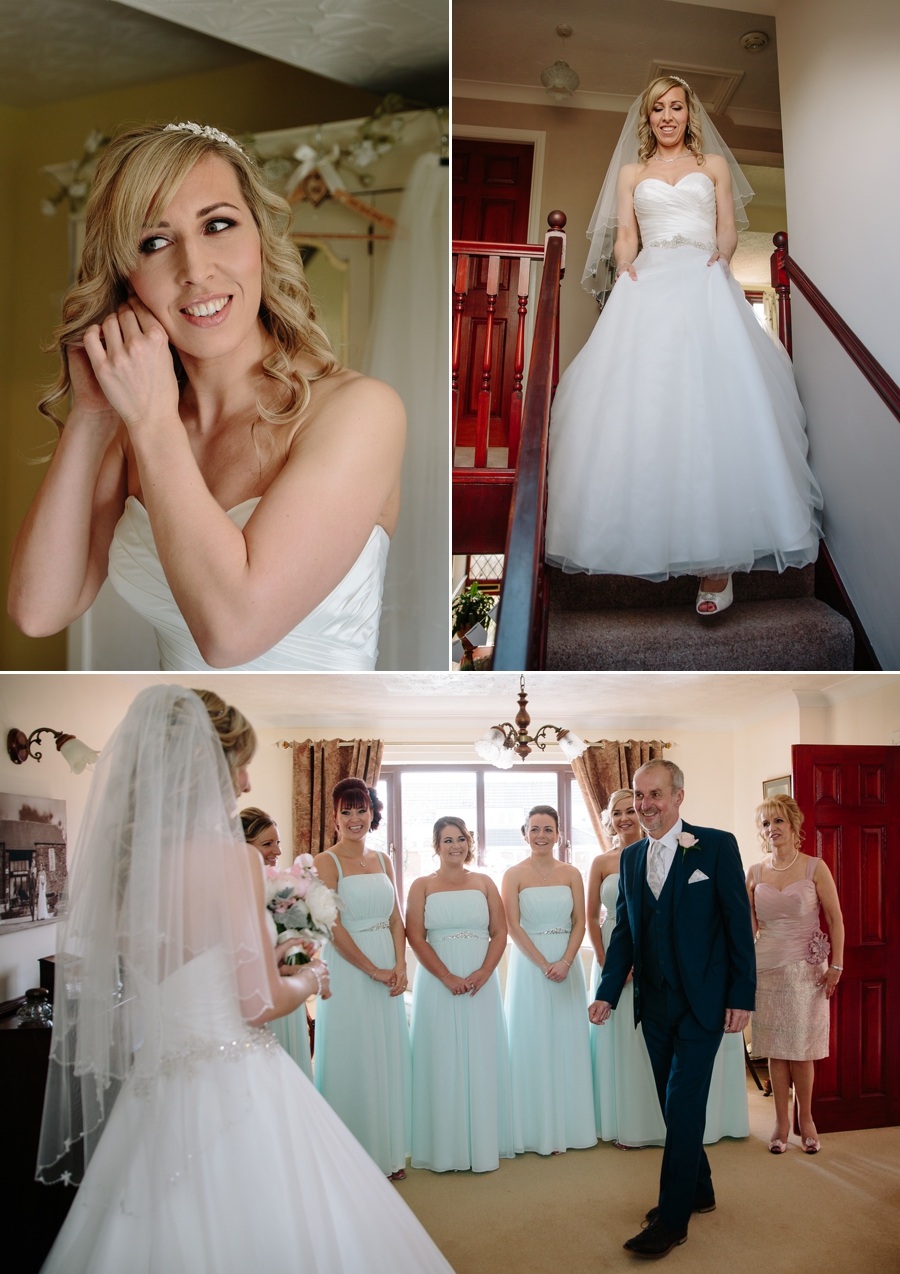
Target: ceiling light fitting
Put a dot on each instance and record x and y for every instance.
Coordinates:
(502, 743)
(19, 748)
(560, 81)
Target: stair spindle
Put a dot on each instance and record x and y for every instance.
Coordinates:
(515, 410)
(460, 292)
(781, 282)
(483, 423)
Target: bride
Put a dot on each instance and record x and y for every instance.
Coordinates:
(217, 461)
(679, 401)
(203, 1148)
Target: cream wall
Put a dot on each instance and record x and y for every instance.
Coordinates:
(90, 707)
(830, 51)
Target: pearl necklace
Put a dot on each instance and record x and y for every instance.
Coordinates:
(772, 866)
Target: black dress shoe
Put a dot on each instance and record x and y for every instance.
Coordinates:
(656, 1241)
(707, 1204)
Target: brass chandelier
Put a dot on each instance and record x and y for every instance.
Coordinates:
(503, 743)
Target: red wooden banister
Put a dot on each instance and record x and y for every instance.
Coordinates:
(785, 271)
(522, 621)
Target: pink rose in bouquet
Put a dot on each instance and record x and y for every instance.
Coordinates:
(301, 907)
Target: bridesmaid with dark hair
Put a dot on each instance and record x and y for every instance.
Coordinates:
(292, 1030)
(363, 1065)
(549, 1046)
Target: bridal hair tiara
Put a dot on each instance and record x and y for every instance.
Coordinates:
(203, 130)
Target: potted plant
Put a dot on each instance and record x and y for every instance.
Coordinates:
(471, 607)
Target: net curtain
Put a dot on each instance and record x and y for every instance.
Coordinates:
(318, 766)
(607, 766)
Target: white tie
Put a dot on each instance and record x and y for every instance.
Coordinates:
(655, 874)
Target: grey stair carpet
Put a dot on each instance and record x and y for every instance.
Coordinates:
(613, 623)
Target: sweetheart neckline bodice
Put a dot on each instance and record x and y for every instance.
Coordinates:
(673, 185)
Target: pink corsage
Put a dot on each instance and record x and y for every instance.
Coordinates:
(686, 841)
(819, 949)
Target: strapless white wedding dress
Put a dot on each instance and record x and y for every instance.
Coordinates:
(220, 1157)
(340, 635)
(677, 439)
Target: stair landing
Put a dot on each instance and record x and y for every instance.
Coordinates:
(615, 623)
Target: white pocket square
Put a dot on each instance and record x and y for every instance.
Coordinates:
(698, 875)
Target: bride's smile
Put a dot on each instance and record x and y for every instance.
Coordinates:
(199, 268)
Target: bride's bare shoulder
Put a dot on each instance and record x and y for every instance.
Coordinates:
(349, 393)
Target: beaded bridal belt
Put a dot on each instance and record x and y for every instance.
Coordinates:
(196, 1050)
(682, 241)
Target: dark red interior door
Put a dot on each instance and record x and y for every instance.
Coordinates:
(491, 200)
(850, 797)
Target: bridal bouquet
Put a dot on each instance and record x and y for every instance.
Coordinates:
(301, 908)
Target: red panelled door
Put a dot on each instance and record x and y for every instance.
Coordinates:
(491, 199)
(850, 797)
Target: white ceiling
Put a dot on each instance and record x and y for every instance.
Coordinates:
(56, 50)
(613, 45)
(381, 45)
(433, 706)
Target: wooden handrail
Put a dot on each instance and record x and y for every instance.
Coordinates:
(521, 624)
(785, 271)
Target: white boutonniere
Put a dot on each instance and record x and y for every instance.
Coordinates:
(687, 841)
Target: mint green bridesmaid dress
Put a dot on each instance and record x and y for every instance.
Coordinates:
(549, 1045)
(292, 1033)
(462, 1103)
(625, 1101)
(363, 1067)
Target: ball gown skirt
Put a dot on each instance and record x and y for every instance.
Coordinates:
(677, 439)
(626, 1104)
(226, 1160)
(292, 1033)
(549, 1047)
(461, 1095)
(363, 1067)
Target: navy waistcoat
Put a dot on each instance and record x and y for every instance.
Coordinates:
(659, 957)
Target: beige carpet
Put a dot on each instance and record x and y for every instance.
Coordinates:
(837, 1212)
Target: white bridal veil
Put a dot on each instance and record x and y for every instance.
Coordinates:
(160, 876)
(603, 224)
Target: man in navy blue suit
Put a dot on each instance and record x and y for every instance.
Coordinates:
(683, 925)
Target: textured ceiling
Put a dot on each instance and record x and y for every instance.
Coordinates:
(436, 705)
(613, 43)
(55, 50)
(381, 45)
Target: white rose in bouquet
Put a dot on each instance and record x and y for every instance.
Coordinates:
(322, 905)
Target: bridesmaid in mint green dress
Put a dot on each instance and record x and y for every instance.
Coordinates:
(626, 1104)
(550, 1052)
(292, 1030)
(363, 1066)
(455, 923)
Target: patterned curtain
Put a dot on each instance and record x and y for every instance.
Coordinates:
(609, 765)
(317, 767)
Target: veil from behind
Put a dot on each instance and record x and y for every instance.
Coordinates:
(160, 877)
(605, 218)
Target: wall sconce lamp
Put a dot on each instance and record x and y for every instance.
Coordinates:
(78, 754)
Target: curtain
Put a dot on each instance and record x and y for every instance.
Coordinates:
(408, 348)
(317, 767)
(606, 767)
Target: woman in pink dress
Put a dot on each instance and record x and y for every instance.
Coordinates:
(794, 979)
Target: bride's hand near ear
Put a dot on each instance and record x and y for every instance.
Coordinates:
(91, 409)
(132, 362)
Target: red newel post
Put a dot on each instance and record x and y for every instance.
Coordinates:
(781, 282)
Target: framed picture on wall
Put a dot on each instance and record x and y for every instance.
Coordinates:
(32, 860)
(777, 787)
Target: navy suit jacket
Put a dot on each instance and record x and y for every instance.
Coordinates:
(712, 928)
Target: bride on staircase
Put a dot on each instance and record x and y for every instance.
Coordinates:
(238, 485)
(679, 402)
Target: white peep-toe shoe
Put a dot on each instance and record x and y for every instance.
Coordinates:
(721, 600)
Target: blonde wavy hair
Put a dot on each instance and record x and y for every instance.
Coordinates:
(693, 136)
(136, 179)
(236, 734)
(788, 808)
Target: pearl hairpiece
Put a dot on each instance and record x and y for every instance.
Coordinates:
(681, 81)
(203, 130)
